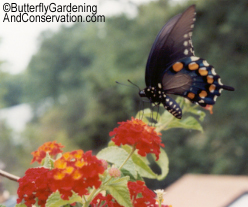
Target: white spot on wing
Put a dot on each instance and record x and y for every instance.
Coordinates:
(194, 58)
(205, 63)
(186, 52)
(185, 36)
(219, 81)
(213, 71)
(185, 43)
(215, 97)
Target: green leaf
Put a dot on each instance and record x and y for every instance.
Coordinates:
(163, 163)
(47, 161)
(4, 205)
(148, 115)
(142, 167)
(196, 111)
(142, 164)
(55, 200)
(188, 123)
(17, 205)
(119, 190)
(117, 156)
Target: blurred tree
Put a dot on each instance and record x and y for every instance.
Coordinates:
(75, 70)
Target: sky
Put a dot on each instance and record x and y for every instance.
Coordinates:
(19, 40)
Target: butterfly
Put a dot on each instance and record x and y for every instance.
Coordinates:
(172, 68)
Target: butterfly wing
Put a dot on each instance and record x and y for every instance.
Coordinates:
(171, 44)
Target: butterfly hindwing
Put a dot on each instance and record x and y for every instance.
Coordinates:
(193, 78)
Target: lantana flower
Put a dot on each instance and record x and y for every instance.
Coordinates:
(52, 148)
(140, 196)
(107, 200)
(136, 133)
(74, 171)
(34, 185)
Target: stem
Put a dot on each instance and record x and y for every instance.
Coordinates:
(9, 176)
(91, 196)
(131, 153)
(96, 191)
(163, 126)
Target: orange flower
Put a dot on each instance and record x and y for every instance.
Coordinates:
(137, 133)
(52, 148)
(76, 171)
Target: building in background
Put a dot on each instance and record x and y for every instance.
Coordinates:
(208, 190)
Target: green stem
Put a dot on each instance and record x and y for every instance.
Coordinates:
(91, 196)
(131, 153)
(96, 191)
(163, 126)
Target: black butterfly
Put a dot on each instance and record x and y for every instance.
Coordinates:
(172, 68)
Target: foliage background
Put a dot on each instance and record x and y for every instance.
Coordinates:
(70, 83)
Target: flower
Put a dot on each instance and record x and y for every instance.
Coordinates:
(104, 164)
(107, 200)
(141, 195)
(160, 194)
(76, 171)
(52, 148)
(137, 133)
(34, 185)
(114, 172)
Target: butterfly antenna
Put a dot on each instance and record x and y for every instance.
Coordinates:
(134, 84)
(124, 84)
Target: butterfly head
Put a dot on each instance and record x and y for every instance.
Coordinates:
(142, 93)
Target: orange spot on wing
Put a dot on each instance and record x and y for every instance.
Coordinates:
(212, 88)
(193, 66)
(191, 95)
(177, 66)
(203, 71)
(203, 94)
(210, 79)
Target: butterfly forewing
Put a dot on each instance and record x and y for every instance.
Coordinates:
(172, 43)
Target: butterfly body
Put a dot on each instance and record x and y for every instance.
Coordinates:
(172, 68)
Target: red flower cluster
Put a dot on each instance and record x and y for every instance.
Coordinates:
(107, 200)
(138, 133)
(52, 148)
(75, 171)
(34, 185)
(140, 196)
